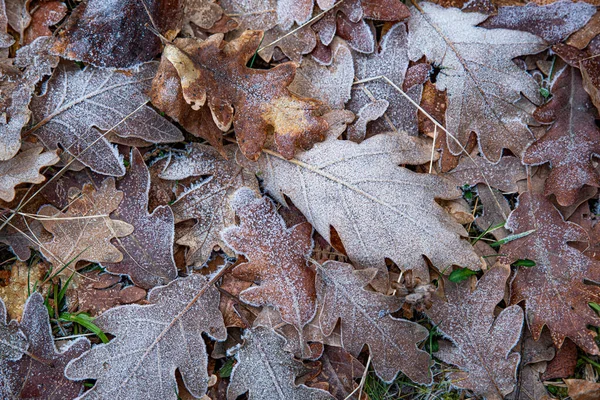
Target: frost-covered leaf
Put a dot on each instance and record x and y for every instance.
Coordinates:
(113, 33)
(481, 345)
(265, 371)
(202, 13)
(24, 168)
(378, 209)
(392, 62)
(278, 259)
(365, 319)
(588, 220)
(369, 112)
(554, 290)
(571, 142)
(13, 342)
(331, 85)
(293, 46)
(482, 82)
(207, 202)
(6, 40)
(44, 16)
(503, 175)
(84, 231)
(254, 101)
(40, 376)
(252, 14)
(80, 103)
(340, 370)
(18, 15)
(152, 341)
(148, 251)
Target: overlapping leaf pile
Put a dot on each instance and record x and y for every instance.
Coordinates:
(303, 199)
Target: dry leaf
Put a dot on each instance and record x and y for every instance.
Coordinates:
(580, 389)
(17, 12)
(208, 201)
(564, 363)
(365, 319)
(369, 112)
(19, 285)
(6, 40)
(148, 251)
(13, 342)
(340, 370)
(503, 175)
(480, 345)
(588, 221)
(484, 84)
(554, 291)
(24, 168)
(41, 377)
(153, 341)
(570, 143)
(84, 231)
(293, 46)
(202, 13)
(97, 100)
(252, 14)
(265, 371)
(215, 71)
(44, 16)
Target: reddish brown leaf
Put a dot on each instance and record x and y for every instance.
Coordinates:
(588, 221)
(554, 291)
(44, 16)
(97, 292)
(570, 143)
(564, 363)
(580, 389)
(339, 371)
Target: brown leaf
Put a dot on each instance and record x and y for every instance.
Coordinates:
(293, 46)
(24, 168)
(114, 33)
(206, 202)
(19, 285)
(265, 371)
(564, 363)
(252, 14)
(369, 112)
(365, 319)
(84, 231)
(18, 15)
(6, 40)
(554, 291)
(495, 211)
(278, 259)
(44, 16)
(148, 251)
(582, 38)
(339, 371)
(503, 175)
(480, 345)
(570, 143)
(216, 71)
(580, 389)
(41, 377)
(202, 13)
(588, 221)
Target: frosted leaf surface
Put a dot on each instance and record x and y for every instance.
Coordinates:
(365, 319)
(252, 14)
(84, 231)
(483, 84)
(391, 61)
(290, 11)
(293, 46)
(79, 103)
(480, 345)
(332, 85)
(29, 378)
(13, 342)
(45, 15)
(265, 371)
(475, 169)
(203, 13)
(208, 201)
(278, 258)
(553, 290)
(24, 168)
(148, 251)
(369, 112)
(378, 208)
(152, 341)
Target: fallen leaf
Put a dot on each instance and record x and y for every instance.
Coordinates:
(6, 40)
(293, 46)
(278, 259)
(154, 340)
(202, 13)
(503, 175)
(480, 345)
(148, 251)
(113, 33)
(588, 221)
(41, 377)
(554, 291)
(580, 389)
(340, 370)
(252, 14)
(265, 371)
(24, 168)
(570, 143)
(369, 112)
(13, 342)
(98, 100)
(564, 363)
(208, 201)
(476, 56)
(365, 319)
(19, 285)
(17, 12)
(84, 231)
(496, 210)
(216, 71)
(44, 16)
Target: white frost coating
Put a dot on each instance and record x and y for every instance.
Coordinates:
(151, 342)
(12, 340)
(332, 85)
(252, 14)
(483, 83)
(369, 112)
(24, 167)
(378, 209)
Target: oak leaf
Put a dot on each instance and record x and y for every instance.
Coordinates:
(503, 175)
(278, 259)
(153, 341)
(570, 143)
(365, 319)
(80, 103)
(44, 16)
(13, 342)
(340, 370)
(215, 71)
(293, 46)
(369, 112)
(480, 345)
(359, 190)
(588, 220)
(148, 251)
(266, 371)
(482, 82)
(84, 231)
(24, 168)
(17, 12)
(202, 13)
(208, 201)
(41, 375)
(553, 290)
(252, 14)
